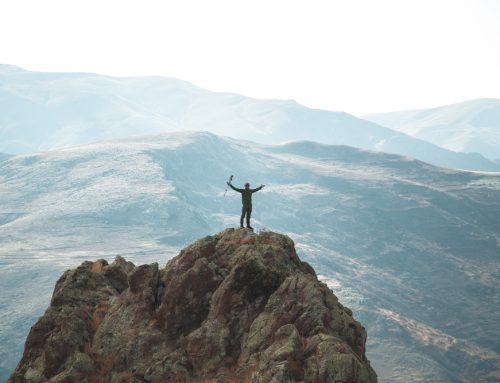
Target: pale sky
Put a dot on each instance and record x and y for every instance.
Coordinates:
(357, 56)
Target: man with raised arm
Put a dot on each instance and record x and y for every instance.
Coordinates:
(246, 200)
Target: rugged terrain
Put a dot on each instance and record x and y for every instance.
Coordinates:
(411, 248)
(233, 307)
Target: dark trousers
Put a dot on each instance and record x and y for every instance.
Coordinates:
(246, 210)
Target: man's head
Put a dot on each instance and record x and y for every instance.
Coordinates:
(247, 185)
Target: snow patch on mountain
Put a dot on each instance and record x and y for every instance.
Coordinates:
(428, 335)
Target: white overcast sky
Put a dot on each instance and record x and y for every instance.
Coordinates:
(358, 56)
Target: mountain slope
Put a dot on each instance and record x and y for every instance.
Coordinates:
(233, 307)
(411, 248)
(470, 126)
(45, 111)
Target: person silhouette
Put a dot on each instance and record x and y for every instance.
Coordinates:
(246, 200)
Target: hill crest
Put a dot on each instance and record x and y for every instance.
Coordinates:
(236, 306)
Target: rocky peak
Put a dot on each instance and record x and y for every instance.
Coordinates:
(233, 307)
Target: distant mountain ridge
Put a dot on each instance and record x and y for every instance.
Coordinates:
(45, 111)
(471, 126)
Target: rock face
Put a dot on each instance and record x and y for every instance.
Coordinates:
(234, 307)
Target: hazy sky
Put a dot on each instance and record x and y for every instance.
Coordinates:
(353, 55)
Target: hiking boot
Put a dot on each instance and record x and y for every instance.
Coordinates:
(249, 227)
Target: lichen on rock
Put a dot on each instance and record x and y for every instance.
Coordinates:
(233, 307)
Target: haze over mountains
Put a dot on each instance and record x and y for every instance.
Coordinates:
(411, 248)
(470, 126)
(45, 111)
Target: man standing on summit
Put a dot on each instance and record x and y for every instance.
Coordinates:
(246, 200)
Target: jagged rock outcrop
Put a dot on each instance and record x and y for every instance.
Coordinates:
(234, 307)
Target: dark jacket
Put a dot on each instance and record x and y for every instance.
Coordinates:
(246, 194)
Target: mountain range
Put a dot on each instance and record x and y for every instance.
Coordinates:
(470, 127)
(46, 111)
(410, 247)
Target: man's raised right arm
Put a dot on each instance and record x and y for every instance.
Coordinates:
(235, 189)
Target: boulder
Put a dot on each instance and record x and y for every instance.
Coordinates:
(233, 307)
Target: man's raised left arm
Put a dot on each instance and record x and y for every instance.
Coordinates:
(257, 189)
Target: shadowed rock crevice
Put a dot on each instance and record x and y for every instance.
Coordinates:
(233, 307)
